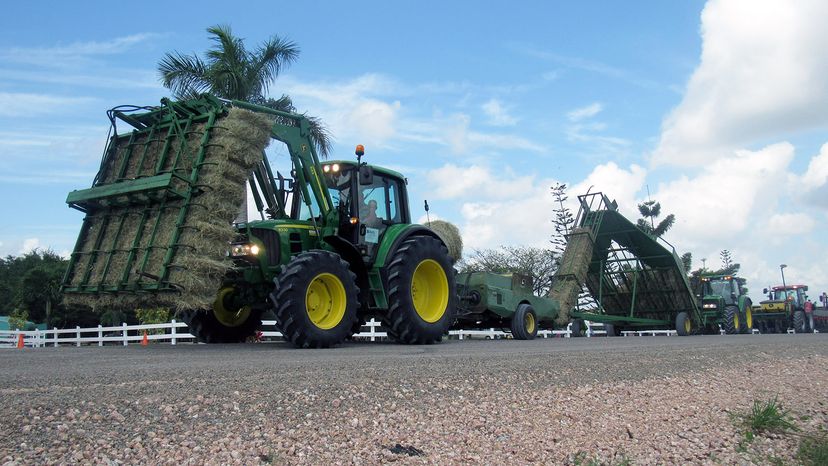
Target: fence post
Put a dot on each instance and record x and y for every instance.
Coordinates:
(373, 330)
(172, 332)
(56, 336)
(100, 335)
(124, 333)
(77, 335)
(36, 343)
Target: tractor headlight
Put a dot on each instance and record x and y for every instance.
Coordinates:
(244, 249)
(709, 306)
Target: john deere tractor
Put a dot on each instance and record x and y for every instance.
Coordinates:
(725, 303)
(334, 246)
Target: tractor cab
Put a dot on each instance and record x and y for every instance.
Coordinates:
(367, 199)
(724, 287)
(795, 294)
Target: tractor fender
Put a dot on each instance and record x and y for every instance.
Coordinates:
(394, 237)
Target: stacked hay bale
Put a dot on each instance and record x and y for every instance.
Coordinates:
(572, 272)
(450, 235)
(199, 253)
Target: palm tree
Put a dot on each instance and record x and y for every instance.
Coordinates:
(231, 71)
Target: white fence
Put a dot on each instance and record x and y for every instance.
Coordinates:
(175, 332)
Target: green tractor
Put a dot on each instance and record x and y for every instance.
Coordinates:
(335, 245)
(725, 304)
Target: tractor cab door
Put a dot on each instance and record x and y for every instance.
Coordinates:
(380, 206)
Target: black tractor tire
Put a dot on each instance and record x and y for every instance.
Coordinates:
(578, 328)
(524, 323)
(731, 321)
(746, 318)
(800, 324)
(315, 299)
(612, 330)
(422, 301)
(684, 324)
(207, 329)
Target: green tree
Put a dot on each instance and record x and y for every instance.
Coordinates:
(650, 210)
(231, 71)
(537, 263)
(563, 220)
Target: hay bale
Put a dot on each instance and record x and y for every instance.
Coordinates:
(450, 235)
(108, 251)
(572, 272)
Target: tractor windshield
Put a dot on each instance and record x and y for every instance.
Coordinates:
(796, 296)
(339, 188)
(727, 289)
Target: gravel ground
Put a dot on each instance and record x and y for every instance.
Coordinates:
(654, 400)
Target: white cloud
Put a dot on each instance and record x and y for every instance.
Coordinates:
(496, 208)
(790, 224)
(24, 105)
(585, 112)
(498, 114)
(762, 75)
(718, 204)
(616, 183)
(29, 245)
(71, 54)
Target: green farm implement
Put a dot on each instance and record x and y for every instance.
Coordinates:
(637, 280)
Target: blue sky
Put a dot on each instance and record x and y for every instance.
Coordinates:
(718, 108)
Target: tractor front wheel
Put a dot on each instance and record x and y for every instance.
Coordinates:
(524, 323)
(225, 322)
(731, 322)
(421, 292)
(315, 300)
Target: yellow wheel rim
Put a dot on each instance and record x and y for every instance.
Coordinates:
(529, 323)
(227, 316)
(736, 320)
(325, 301)
(688, 325)
(749, 317)
(429, 291)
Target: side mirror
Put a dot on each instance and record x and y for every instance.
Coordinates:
(366, 175)
(764, 291)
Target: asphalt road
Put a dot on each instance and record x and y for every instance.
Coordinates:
(569, 361)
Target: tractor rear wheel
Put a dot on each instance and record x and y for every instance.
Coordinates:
(421, 292)
(800, 326)
(224, 323)
(315, 300)
(524, 323)
(730, 320)
(684, 325)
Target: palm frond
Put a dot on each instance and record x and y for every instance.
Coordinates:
(184, 75)
(271, 58)
(228, 62)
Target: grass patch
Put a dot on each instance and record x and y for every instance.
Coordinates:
(766, 416)
(813, 451)
(582, 459)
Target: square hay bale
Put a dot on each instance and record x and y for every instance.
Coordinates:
(178, 245)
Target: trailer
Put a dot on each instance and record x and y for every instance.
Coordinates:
(637, 280)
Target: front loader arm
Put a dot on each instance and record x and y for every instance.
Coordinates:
(296, 137)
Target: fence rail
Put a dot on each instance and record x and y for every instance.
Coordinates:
(176, 332)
